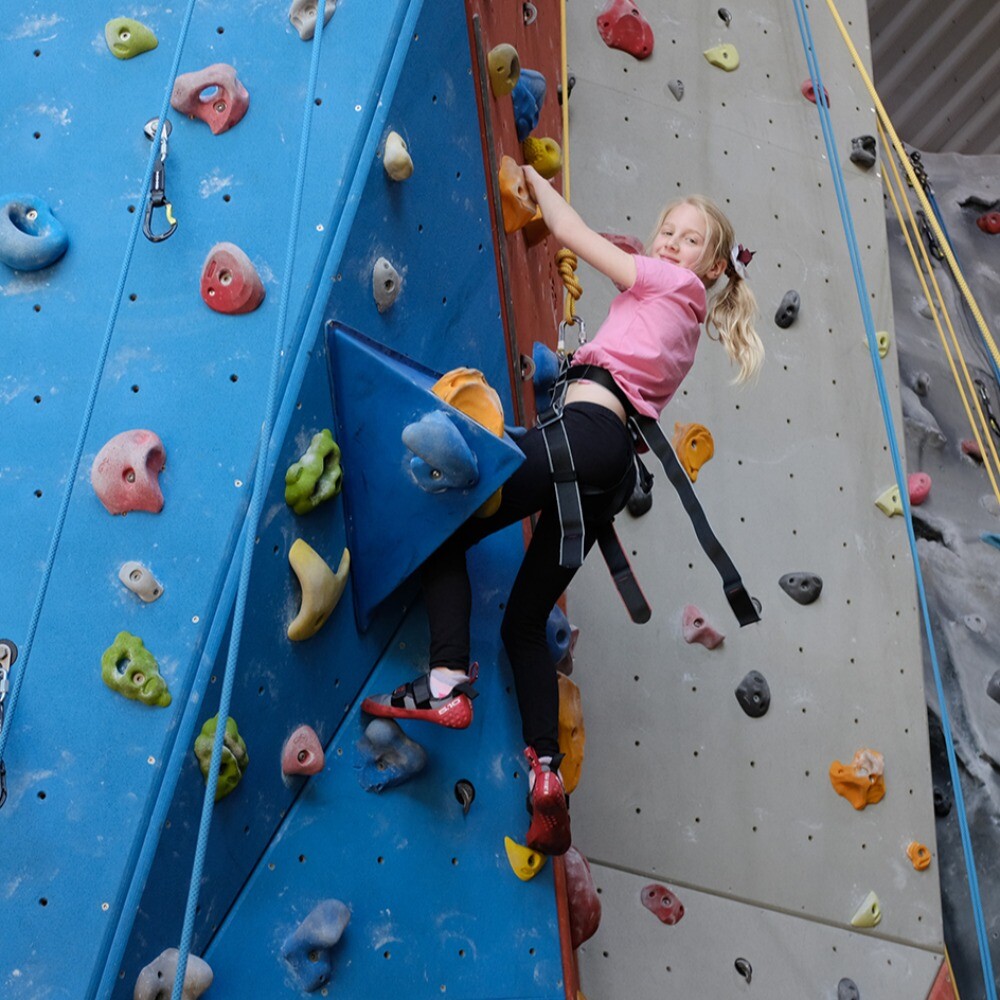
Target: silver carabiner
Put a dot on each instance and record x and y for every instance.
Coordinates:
(581, 337)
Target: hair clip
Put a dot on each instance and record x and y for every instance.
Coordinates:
(739, 258)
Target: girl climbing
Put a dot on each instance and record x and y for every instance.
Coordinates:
(647, 345)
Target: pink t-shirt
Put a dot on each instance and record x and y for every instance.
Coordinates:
(650, 336)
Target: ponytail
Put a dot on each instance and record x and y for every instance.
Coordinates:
(732, 313)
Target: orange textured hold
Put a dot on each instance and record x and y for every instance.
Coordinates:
(572, 733)
(467, 390)
(919, 855)
(694, 446)
(861, 782)
(518, 206)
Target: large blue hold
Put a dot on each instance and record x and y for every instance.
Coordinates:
(527, 99)
(441, 458)
(31, 237)
(387, 757)
(309, 949)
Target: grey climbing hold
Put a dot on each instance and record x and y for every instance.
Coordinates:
(387, 757)
(744, 968)
(754, 695)
(465, 792)
(308, 950)
(993, 686)
(921, 383)
(386, 284)
(863, 151)
(975, 623)
(676, 87)
(302, 14)
(140, 581)
(847, 989)
(801, 587)
(156, 981)
(640, 501)
(942, 802)
(726, 16)
(788, 310)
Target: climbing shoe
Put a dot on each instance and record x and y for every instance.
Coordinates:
(414, 700)
(549, 832)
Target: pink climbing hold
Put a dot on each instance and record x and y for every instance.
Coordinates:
(918, 485)
(302, 753)
(809, 92)
(623, 27)
(989, 223)
(971, 448)
(630, 244)
(697, 629)
(125, 470)
(581, 894)
(213, 94)
(229, 281)
(659, 900)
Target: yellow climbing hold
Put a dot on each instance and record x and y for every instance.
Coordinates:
(869, 913)
(919, 855)
(724, 56)
(882, 340)
(321, 588)
(525, 862)
(396, 157)
(504, 68)
(889, 502)
(544, 155)
(861, 782)
(694, 445)
(572, 733)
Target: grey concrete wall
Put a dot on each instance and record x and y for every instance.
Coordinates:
(679, 786)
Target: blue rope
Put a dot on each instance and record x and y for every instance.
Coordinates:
(74, 468)
(260, 486)
(862, 289)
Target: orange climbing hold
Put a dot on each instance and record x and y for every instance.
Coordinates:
(518, 206)
(919, 855)
(622, 27)
(694, 446)
(572, 733)
(861, 782)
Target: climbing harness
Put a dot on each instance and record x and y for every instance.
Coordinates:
(157, 184)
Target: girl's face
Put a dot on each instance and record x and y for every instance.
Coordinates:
(681, 239)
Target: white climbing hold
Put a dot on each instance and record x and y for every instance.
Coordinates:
(386, 284)
(302, 14)
(140, 581)
(396, 158)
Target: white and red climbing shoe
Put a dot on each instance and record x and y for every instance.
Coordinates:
(549, 832)
(414, 700)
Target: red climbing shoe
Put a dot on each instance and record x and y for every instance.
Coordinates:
(414, 701)
(549, 832)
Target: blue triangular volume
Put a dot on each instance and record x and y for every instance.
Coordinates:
(393, 524)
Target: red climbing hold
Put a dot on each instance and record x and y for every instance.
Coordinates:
(989, 223)
(809, 92)
(660, 900)
(124, 472)
(971, 448)
(697, 629)
(302, 753)
(581, 894)
(630, 244)
(229, 281)
(918, 485)
(213, 94)
(623, 27)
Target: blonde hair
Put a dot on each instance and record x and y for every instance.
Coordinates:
(732, 311)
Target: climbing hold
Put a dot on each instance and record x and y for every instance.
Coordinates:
(321, 588)
(659, 900)
(302, 752)
(863, 150)
(918, 485)
(561, 638)
(465, 792)
(869, 913)
(697, 629)
(130, 669)
(744, 968)
(529, 13)
(724, 56)
(993, 686)
(726, 16)
(308, 951)
(921, 383)
(572, 733)
(124, 472)
(861, 782)
(526, 98)
(517, 204)
(546, 363)
(676, 87)
(889, 502)
(504, 69)
(788, 310)
(630, 244)
(694, 446)
(882, 342)
(544, 155)
(316, 477)
(140, 581)
(942, 802)
(467, 390)
(801, 587)
(156, 980)
(919, 855)
(989, 223)
(386, 284)
(809, 92)
(581, 896)
(127, 38)
(622, 27)
(387, 757)
(641, 500)
(525, 862)
(971, 448)
(442, 459)
(754, 695)
(213, 94)
(31, 237)
(303, 15)
(229, 282)
(975, 623)
(847, 989)
(991, 538)
(234, 760)
(396, 157)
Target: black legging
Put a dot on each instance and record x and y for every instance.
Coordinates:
(602, 454)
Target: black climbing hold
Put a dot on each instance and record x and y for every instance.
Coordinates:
(569, 89)
(863, 150)
(744, 968)
(993, 686)
(801, 587)
(726, 16)
(847, 989)
(640, 501)
(465, 792)
(921, 383)
(754, 695)
(942, 802)
(788, 310)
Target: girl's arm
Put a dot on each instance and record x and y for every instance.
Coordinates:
(568, 228)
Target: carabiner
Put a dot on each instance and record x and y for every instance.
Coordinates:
(581, 339)
(157, 197)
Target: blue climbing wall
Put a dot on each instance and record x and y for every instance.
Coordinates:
(104, 793)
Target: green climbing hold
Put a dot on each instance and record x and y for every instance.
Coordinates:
(130, 669)
(316, 476)
(127, 38)
(724, 56)
(234, 759)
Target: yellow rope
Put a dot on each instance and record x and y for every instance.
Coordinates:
(565, 259)
(566, 263)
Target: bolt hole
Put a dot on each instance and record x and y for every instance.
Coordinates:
(227, 197)
(234, 377)
(43, 902)
(319, 101)
(131, 208)
(38, 135)
(38, 493)
(220, 30)
(135, 388)
(132, 297)
(41, 795)
(38, 399)
(38, 52)
(37, 308)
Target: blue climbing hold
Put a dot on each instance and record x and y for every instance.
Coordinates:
(527, 98)
(31, 237)
(442, 460)
(558, 633)
(991, 538)
(308, 950)
(387, 757)
(546, 371)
